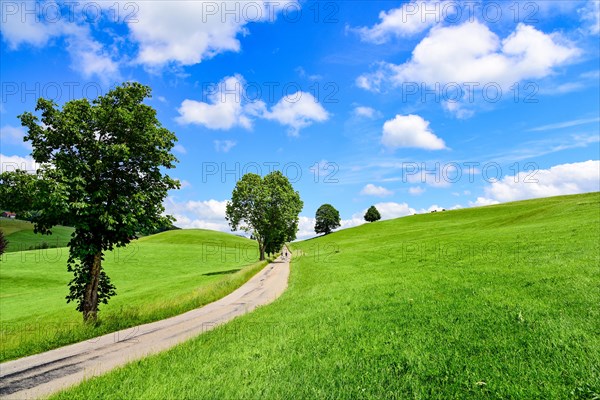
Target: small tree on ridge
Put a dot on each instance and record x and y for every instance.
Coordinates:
(372, 214)
(327, 219)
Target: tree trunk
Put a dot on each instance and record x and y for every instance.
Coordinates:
(261, 246)
(90, 301)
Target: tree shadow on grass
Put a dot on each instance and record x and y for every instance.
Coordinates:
(229, 271)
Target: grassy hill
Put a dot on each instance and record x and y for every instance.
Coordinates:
(491, 302)
(156, 277)
(20, 236)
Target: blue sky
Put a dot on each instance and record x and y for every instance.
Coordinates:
(410, 106)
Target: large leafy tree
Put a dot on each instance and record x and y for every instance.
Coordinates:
(102, 172)
(372, 214)
(268, 208)
(327, 219)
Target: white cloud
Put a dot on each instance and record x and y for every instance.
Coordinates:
(356, 220)
(416, 190)
(13, 135)
(306, 228)
(372, 190)
(18, 29)
(12, 163)
(392, 210)
(410, 131)
(229, 107)
(366, 112)
(482, 201)
(226, 109)
(561, 179)
(410, 19)
(432, 208)
(88, 56)
(470, 53)
(208, 214)
(306, 225)
(388, 210)
(297, 111)
(590, 14)
(188, 32)
(224, 145)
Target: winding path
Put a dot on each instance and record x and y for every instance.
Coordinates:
(43, 374)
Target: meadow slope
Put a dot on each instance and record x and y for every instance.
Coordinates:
(491, 302)
(20, 236)
(156, 277)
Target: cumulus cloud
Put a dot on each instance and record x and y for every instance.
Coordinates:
(188, 32)
(12, 163)
(34, 31)
(471, 52)
(408, 20)
(297, 111)
(390, 210)
(88, 56)
(558, 180)
(306, 228)
(208, 214)
(372, 190)
(590, 14)
(483, 201)
(226, 107)
(470, 56)
(179, 32)
(410, 131)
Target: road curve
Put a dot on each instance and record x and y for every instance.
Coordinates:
(43, 374)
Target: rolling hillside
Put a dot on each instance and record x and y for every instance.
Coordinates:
(20, 236)
(156, 277)
(491, 302)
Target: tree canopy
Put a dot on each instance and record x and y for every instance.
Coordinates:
(102, 172)
(268, 208)
(372, 214)
(327, 219)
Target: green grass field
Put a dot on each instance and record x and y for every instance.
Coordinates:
(495, 302)
(20, 236)
(156, 277)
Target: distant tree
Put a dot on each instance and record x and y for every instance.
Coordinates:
(3, 243)
(372, 214)
(266, 207)
(327, 219)
(101, 172)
